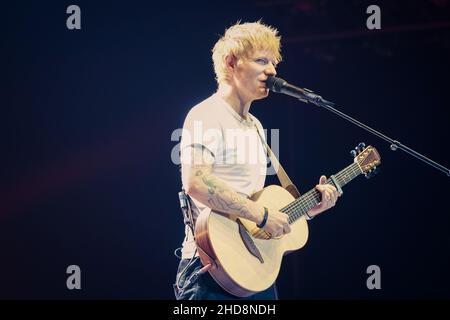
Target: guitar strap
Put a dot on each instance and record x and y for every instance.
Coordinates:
(286, 183)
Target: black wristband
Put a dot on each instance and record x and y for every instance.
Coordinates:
(308, 217)
(266, 215)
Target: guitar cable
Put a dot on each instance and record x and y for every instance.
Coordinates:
(188, 220)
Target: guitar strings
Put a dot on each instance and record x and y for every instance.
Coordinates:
(308, 195)
(342, 173)
(299, 207)
(313, 195)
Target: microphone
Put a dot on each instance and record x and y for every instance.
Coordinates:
(282, 86)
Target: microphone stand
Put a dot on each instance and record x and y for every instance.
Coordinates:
(309, 96)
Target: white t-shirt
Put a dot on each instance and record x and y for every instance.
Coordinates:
(238, 156)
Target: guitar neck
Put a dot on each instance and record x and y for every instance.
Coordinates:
(310, 199)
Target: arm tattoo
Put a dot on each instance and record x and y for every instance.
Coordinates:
(224, 199)
(198, 173)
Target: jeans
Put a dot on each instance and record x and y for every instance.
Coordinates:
(190, 285)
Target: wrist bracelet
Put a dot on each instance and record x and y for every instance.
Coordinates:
(266, 215)
(308, 217)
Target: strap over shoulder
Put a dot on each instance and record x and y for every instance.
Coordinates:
(285, 181)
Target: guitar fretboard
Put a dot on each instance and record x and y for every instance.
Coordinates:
(306, 202)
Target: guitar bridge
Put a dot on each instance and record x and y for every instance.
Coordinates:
(248, 242)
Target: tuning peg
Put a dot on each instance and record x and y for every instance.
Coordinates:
(361, 146)
(353, 153)
(372, 172)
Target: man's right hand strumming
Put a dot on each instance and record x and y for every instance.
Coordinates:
(277, 223)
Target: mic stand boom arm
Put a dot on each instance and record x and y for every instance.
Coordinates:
(309, 96)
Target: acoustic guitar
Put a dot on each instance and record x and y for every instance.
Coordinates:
(245, 259)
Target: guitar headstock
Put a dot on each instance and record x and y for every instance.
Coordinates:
(367, 158)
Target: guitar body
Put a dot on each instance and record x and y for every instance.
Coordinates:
(244, 259)
(235, 268)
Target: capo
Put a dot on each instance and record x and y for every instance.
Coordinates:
(338, 187)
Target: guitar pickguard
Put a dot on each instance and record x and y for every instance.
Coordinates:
(248, 242)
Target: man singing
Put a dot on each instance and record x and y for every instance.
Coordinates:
(220, 174)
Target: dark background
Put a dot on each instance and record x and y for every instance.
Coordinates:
(87, 116)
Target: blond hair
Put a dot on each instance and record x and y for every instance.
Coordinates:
(240, 40)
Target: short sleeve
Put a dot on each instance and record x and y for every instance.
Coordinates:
(200, 129)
